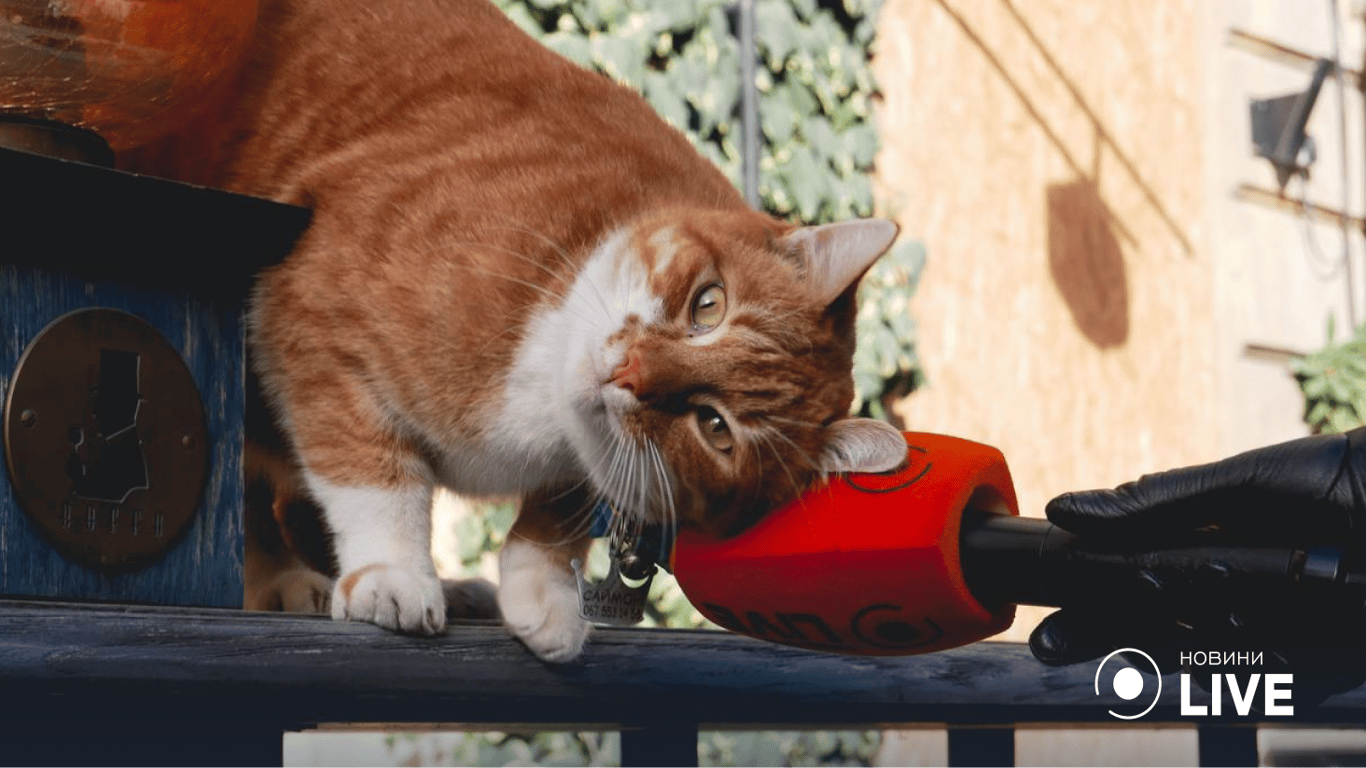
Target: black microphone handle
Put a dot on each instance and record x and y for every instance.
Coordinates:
(1030, 561)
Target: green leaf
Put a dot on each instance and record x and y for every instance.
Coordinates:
(662, 92)
(590, 14)
(808, 181)
(572, 46)
(819, 134)
(778, 31)
(522, 17)
(1318, 414)
(620, 58)
(680, 15)
(1342, 420)
(766, 751)
(860, 144)
(777, 120)
(501, 517)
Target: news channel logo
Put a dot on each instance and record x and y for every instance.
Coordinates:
(1230, 686)
(1128, 683)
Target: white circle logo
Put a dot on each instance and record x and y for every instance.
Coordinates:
(1127, 683)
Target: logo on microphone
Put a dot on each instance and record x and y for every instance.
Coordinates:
(1129, 684)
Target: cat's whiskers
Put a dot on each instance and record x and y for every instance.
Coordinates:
(811, 462)
(642, 485)
(768, 442)
(806, 424)
(560, 299)
(668, 511)
(616, 471)
(635, 482)
(564, 258)
(579, 523)
(499, 335)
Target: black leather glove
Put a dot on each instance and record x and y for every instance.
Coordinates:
(1306, 491)
(1301, 494)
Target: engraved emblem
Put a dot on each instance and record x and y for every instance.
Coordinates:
(105, 438)
(612, 601)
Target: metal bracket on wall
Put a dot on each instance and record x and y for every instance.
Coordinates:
(1278, 127)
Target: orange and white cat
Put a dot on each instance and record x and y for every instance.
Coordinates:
(519, 280)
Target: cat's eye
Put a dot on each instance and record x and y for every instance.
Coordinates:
(715, 430)
(708, 307)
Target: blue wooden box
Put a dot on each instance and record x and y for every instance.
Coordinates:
(181, 258)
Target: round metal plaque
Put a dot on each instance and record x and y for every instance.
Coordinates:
(105, 438)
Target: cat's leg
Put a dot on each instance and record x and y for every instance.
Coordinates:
(538, 593)
(292, 587)
(382, 539)
(375, 489)
(275, 576)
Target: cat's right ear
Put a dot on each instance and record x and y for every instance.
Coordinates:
(862, 445)
(835, 256)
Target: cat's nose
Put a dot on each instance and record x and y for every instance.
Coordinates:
(630, 375)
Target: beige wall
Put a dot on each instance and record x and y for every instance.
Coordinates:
(1049, 154)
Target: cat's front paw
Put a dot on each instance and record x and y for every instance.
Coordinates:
(540, 603)
(297, 590)
(392, 597)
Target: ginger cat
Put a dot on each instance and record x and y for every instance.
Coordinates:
(518, 280)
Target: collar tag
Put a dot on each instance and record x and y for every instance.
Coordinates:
(612, 601)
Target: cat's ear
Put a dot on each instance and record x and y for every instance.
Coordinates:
(862, 445)
(835, 256)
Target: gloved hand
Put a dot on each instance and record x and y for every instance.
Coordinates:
(1299, 494)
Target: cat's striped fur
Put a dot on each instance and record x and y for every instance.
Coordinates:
(518, 280)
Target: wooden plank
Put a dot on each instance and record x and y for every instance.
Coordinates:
(1281, 53)
(660, 744)
(192, 736)
(1279, 201)
(74, 659)
(981, 745)
(1227, 745)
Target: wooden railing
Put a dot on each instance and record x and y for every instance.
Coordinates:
(103, 684)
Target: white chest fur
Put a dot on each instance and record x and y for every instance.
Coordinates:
(557, 418)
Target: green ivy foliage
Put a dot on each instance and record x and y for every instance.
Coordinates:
(1333, 381)
(885, 361)
(498, 748)
(787, 747)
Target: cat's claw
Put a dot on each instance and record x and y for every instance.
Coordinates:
(540, 604)
(392, 597)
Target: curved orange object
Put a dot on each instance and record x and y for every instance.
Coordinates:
(129, 70)
(865, 564)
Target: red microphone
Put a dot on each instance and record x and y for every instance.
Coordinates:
(866, 563)
(934, 555)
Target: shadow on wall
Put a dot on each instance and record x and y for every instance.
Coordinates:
(1086, 263)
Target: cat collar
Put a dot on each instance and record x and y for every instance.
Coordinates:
(635, 552)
